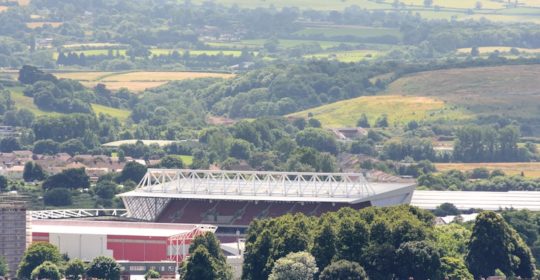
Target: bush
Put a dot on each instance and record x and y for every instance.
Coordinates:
(57, 197)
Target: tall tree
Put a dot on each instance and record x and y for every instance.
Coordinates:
(325, 250)
(35, 255)
(200, 266)
(495, 245)
(343, 270)
(295, 266)
(104, 268)
(417, 259)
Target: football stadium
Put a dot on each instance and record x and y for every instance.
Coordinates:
(235, 198)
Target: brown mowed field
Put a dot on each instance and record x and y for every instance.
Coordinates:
(163, 76)
(513, 91)
(529, 169)
(37, 24)
(82, 76)
(132, 86)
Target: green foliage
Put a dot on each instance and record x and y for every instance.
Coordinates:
(452, 240)
(57, 197)
(75, 269)
(173, 162)
(318, 139)
(527, 224)
(3, 183)
(417, 259)
(151, 274)
(35, 255)
(133, 171)
(72, 178)
(454, 269)
(485, 144)
(495, 245)
(418, 149)
(206, 260)
(104, 268)
(363, 121)
(352, 238)
(343, 270)
(325, 250)
(105, 189)
(33, 172)
(3, 266)
(446, 209)
(46, 270)
(9, 144)
(294, 266)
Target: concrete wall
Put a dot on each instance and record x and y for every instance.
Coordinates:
(84, 247)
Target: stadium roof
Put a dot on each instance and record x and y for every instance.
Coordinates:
(160, 186)
(465, 200)
(259, 185)
(114, 228)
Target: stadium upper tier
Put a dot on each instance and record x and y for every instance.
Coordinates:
(160, 186)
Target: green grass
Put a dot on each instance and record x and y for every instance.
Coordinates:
(120, 114)
(400, 110)
(352, 31)
(187, 160)
(284, 44)
(157, 51)
(311, 4)
(26, 102)
(347, 56)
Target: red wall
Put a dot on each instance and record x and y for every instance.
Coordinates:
(137, 248)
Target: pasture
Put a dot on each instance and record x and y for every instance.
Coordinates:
(512, 91)
(37, 24)
(502, 49)
(347, 56)
(400, 110)
(135, 81)
(348, 31)
(529, 169)
(121, 114)
(146, 142)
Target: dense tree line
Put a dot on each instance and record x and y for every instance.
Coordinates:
(387, 242)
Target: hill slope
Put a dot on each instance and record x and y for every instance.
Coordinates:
(453, 94)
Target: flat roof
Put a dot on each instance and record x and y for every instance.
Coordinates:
(112, 228)
(465, 200)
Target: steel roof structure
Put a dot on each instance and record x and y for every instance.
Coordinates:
(465, 200)
(159, 186)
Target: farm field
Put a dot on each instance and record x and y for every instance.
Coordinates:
(400, 110)
(26, 102)
(349, 30)
(529, 169)
(120, 114)
(135, 81)
(105, 51)
(282, 43)
(312, 4)
(134, 141)
(488, 50)
(347, 56)
(512, 91)
(37, 24)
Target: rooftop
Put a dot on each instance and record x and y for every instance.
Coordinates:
(258, 185)
(113, 228)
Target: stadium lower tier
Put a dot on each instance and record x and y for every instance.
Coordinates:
(241, 213)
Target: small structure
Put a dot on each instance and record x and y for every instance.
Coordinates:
(127, 241)
(349, 133)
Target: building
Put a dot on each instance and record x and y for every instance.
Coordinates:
(232, 199)
(137, 270)
(123, 241)
(14, 234)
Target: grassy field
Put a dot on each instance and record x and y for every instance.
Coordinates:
(105, 51)
(347, 56)
(400, 110)
(133, 141)
(284, 44)
(312, 4)
(36, 24)
(502, 49)
(348, 30)
(529, 169)
(120, 114)
(134, 81)
(512, 91)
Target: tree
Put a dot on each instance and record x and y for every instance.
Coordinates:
(46, 270)
(240, 149)
(3, 183)
(454, 269)
(35, 255)
(48, 147)
(152, 274)
(363, 121)
(104, 268)
(475, 52)
(343, 270)
(57, 197)
(382, 121)
(494, 245)
(9, 144)
(258, 257)
(294, 266)
(318, 139)
(30, 74)
(72, 178)
(199, 266)
(4, 269)
(353, 237)
(172, 162)
(75, 269)
(417, 259)
(446, 209)
(209, 242)
(33, 172)
(105, 189)
(325, 248)
(133, 171)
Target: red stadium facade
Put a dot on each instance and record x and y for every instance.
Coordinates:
(125, 241)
